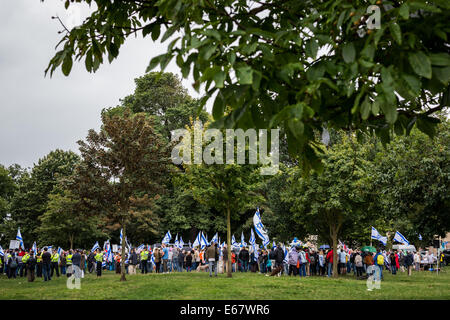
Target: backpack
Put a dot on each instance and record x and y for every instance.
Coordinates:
(312, 259)
(13, 262)
(380, 259)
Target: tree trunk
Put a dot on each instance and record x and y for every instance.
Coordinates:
(229, 275)
(122, 257)
(334, 235)
(71, 241)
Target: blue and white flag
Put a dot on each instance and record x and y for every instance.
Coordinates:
(176, 241)
(2, 253)
(420, 236)
(233, 242)
(383, 240)
(95, 247)
(252, 238)
(203, 241)
(34, 248)
(167, 238)
(259, 227)
(274, 245)
(19, 238)
(181, 243)
(296, 242)
(243, 244)
(400, 238)
(286, 252)
(197, 241)
(190, 245)
(60, 250)
(215, 239)
(375, 234)
(140, 248)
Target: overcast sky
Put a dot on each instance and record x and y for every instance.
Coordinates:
(40, 114)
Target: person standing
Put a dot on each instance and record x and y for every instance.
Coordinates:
(13, 264)
(165, 258)
(99, 261)
(189, 258)
(25, 258)
(329, 260)
(54, 264)
(212, 255)
(91, 262)
(132, 262)
(31, 267)
(69, 263)
(417, 261)
(144, 258)
(394, 262)
(181, 257)
(379, 263)
(244, 256)
(46, 261)
(409, 261)
(21, 266)
(302, 262)
(175, 255)
(358, 264)
(83, 261)
(39, 264)
(293, 259)
(62, 263)
(157, 255)
(117, 259)
(321, 261)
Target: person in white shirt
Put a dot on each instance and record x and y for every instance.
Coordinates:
(417, 261)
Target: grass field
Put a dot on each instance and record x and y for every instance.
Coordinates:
(248, 286)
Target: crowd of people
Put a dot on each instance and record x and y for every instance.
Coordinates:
(276, 261)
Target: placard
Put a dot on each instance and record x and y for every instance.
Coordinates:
(14, 244)
(115, 248)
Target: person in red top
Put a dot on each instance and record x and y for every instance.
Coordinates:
(329, 259)
(394, 262)
(21, 264)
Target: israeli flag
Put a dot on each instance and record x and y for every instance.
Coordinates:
(190, 245)
(140, 248)
(400, 238)
(420, 236)
(255, 251)
(197, 241)
(34, 248)
(274, 245)
(2, 253)
(203, 241)
(95, 247)
(215, 238)
(233, 242)
(60, 250)
(19, 238)
(286, 252)
(181, 243)
(252, 238)
(167, 238)
(375, 234)
(383, 240)
(260, 230)
(242, 240)
(176, 241)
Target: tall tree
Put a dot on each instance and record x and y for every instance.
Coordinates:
(32, 195)
(262, 60)
(125, 161)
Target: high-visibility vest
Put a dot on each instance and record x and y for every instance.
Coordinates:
(39, 258)
(55, 257)
(144, 255)
(69, 259)
(99, 257)
(25, 258)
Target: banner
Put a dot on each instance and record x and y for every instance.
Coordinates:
(260, 230)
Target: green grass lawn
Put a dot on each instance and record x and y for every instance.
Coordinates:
(248, 286)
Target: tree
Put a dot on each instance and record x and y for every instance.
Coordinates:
(64, 224)
(162, 96)
(262, 60)
(33, 189)
(336, 201)
(124, 166)
(230, 189)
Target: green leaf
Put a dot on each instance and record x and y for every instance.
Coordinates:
(427, 125)
(348, 52)
(421, 64)
(440, 59)
(396, 32)
(365, 108)
(403, 11)
(376, 107)
(442, 74)
(168, 33)
(154, 62)
(296, 126)
(390, 112)
(88, 61)
(67, 64)
(218, 107)
(245, 75)
(219, 78)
